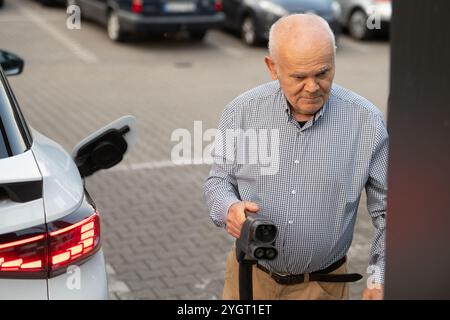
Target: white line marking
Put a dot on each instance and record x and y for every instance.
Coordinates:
(14, 19)
(228, 50)
(235, 53)
(115, 285)
(77, 49)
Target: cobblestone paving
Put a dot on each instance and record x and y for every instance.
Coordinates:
(158, 239)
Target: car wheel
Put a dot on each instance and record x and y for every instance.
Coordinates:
(198, 35)
(357, 25)
(248, 31)
(1, 3)
(114, 29)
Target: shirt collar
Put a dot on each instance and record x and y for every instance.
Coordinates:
(317, 116)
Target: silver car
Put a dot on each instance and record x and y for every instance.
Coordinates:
(364, 18)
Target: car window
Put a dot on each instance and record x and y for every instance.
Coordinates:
(13, 139)
(3, 151)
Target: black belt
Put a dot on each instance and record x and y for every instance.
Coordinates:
(321, 275)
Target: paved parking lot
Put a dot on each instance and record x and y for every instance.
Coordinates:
(158, 239)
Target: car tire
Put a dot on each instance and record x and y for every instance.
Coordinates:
(1, 3)
(249, 33)
(114, 29)
(357, 25)
(198, 35)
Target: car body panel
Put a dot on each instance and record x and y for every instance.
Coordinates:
(85, 282)
(317, 6)
(370, 7)
(63, 188)
(18, 216)
(15, 215)
(21, 167)
(133, 22)
(154, 17)
(23, 289)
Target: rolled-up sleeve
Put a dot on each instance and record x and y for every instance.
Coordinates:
(220, 189)
(376, 189)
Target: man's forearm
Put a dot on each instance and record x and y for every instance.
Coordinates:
(219, 195)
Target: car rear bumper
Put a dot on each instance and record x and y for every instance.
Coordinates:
(88, 281)
(85, 282)
(131, 22)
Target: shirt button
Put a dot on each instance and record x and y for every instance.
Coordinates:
(293, 192)
(296, 162)
(290, 221)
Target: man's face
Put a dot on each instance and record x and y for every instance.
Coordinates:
(305, 76)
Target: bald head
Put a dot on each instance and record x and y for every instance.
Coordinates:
(302, 59)
(300, 31)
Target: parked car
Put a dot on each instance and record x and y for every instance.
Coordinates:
(253, 18)
(124, 17)
(52, 2)
(50, 241)
(363, 17)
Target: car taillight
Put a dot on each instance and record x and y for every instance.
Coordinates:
(47, 250)
(137, 6)
(74, 242)
(25, 253)
(218, 6)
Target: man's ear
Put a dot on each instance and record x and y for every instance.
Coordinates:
(271, 66)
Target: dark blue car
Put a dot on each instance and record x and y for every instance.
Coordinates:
(124, 17)
(253, 18)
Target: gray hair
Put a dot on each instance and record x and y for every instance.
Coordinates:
(273, 39)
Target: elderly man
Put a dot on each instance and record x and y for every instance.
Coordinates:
(332, 144)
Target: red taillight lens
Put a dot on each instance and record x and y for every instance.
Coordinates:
(38, 253)
(218, 6)
(137, 6)
(74, 242)
(25, 255)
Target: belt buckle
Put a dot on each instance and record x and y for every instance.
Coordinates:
(286, 276)
(281, 275)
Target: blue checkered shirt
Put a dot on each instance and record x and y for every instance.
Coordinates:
(323, 167)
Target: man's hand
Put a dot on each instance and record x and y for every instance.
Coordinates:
(236, 216)
(373, 294)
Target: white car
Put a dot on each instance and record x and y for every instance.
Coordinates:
(50, 241)
(364, 18)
